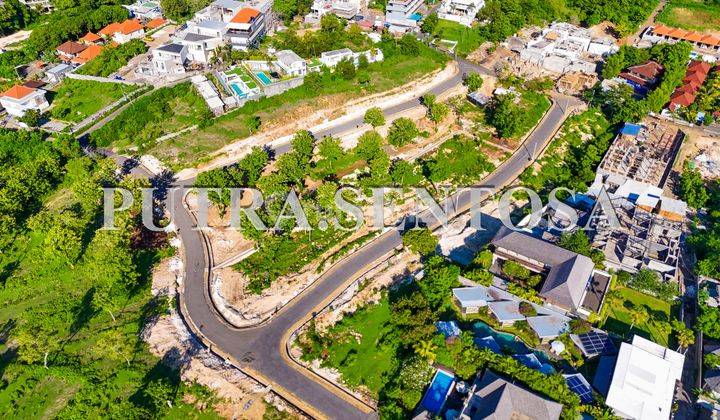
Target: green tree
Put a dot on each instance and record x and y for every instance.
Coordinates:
(429, 23)
(638, 315)
(420, 241)
(505, 116)
(425, 349)
(403, 173)
(473, 81)
(346, 69)
(439, 279)
(32, 118)
(176, 10)
(684, 335)
(253, 123)
(369, 146)
(375, 117)
(692, 187)
(402, 131)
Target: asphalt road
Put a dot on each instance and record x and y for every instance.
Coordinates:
(262, 350)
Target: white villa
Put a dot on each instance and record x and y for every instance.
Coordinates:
(461, 11)
(290, 63)
(19, 99)
(169, 59)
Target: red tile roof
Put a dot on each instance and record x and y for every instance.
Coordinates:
(70, 47)
(91, 37)
(649, 70)
(17, 92)
(685, 94)
(245, 15)
(87, 55)
(127, 27)
(155, 23)
(691, 36)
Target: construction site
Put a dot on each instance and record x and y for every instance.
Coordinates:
(649, 235)
(643, 153)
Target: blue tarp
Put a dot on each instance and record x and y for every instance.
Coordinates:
(630, 129)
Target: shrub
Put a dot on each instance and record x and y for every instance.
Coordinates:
(515, 271)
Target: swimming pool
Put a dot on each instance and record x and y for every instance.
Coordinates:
(415, 16)
(238, 90)
(263, 78)
(437, 393)
(507, 341)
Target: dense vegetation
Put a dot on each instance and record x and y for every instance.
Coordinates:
(74, 298)
(111, 59)
(621, 104)
(78, 99)
(15, 16)
(698, 15)
(161, 112)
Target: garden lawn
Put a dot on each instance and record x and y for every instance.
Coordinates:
(534, 105)
(691, 14)
(76, 99)
(618, 316)
(468, 39)
(196, 146)
(354, 350)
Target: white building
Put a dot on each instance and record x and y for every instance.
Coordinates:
(644, 381)
(246, 28)
(200, 47)
(290, 63)
(19, 99)
(211, 96)
(564, 48)
(332, 58)
(169, 59)
(402, 8)
(43, 5)
(461, 11)
(145, 9)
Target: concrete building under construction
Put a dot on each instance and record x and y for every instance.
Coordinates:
(643, 153)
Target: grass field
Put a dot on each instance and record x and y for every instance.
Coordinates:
(468, 39)
(619, 321)
(354, 350)
(535, 105)
(76, 99)
(192, 147)
(696, 15)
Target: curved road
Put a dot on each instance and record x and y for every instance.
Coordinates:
(261, 351)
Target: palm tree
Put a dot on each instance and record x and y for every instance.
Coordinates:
(425, 349)
(638, 315)
(685, 336)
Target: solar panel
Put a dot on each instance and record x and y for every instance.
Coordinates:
(577, 386)
(596, 343)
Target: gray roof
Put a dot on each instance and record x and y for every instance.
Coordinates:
(496, 398)
(227, 4)
(569, 272)
(712, 380)
(472, 296)
(506, 310)
(548, 326)
(60, 68)
(193, 37)
(211, 24)
(343, 51)
(171, 48)
(287, 57)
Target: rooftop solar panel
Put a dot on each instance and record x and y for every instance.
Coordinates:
(580, 387)
(596, 343)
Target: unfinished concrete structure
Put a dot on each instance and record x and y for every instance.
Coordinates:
(649, 234)
(643, 153)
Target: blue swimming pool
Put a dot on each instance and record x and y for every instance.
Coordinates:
(263, 78)
(238, 90)
(415, 16)
(437, 393)
(507, 341)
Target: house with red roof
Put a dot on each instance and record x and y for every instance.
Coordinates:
(155, 23)
(246, 28)
(69, 50)
(91, 38)
(90, 52)
(122, 32)
(684, 95)
(643, 77)
(703, 43)
(19, 99)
